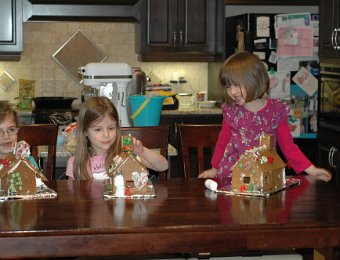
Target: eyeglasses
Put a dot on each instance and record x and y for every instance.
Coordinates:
(10, 131)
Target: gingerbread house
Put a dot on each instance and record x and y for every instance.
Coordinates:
(129, 177)
(17, 174)
(259, 171)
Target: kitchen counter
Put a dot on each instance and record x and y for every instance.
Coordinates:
(25, 117)
(193, 110)
(24, 112)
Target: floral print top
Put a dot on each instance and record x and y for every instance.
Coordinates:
(246, 129)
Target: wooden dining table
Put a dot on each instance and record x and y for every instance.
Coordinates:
(184, 217)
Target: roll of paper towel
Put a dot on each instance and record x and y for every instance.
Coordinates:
(211, 185)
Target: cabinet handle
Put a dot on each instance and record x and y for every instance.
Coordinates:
(331, 159)
(175, 38)
(330, 155)
(333, 37)
(337, 47)
(180, 37)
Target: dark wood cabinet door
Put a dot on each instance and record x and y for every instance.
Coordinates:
(159, 24)
(329, 156)
(177, 30)
(196, 25)
(329, 153)
(10, 29)
(330, 29)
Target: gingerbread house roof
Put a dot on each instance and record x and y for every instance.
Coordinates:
(266, 160)
(126, 163)
(17, 158)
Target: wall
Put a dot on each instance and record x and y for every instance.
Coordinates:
(116, 40)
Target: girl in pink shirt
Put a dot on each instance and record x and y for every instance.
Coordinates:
(247, 114)
(98, 136)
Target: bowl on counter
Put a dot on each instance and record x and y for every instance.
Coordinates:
(207, 104)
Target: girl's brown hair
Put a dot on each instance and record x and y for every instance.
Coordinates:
(92, 110)
(7, 110)
(246, 69)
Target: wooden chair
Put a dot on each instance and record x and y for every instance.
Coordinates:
(197, 144)
(41, 135)
(152, 137)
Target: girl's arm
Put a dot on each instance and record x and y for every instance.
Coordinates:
(295, 156)
(290, 150)
(150, 158)
(222, 140)
(221, 143)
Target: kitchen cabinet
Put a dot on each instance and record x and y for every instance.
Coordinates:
(271, 2)
(11, 35)
(80, 10)
(180, 30)
(329, 150)
(330, 32)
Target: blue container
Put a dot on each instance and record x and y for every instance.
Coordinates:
(146, 111)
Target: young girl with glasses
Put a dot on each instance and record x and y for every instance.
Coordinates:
(9, 130)
(247, 114)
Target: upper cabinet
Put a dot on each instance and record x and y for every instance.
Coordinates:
(271, 2)
(330, 32)
(10, 29)
(180, 30)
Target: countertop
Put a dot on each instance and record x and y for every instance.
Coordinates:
(24, 112)
(185, 110)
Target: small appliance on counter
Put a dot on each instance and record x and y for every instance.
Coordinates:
(138, 83)
(110, 80)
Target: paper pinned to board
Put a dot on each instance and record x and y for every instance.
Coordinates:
(305, 80)
(279, 84)
(296, 41)
(262, 26)
(291, 20)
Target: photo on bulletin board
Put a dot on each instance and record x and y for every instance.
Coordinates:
(311, 65)
(306, 80)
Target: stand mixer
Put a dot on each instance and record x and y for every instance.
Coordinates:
(111, 80)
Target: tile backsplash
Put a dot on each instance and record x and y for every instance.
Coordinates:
(116, 40)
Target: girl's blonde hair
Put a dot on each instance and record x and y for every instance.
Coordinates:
(92, 110)
(246, 69)
(7, 110)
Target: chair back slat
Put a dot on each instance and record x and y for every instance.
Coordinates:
(152, 137)
(197, 145)
(41, 135)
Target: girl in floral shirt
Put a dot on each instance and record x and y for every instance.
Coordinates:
(247, 114)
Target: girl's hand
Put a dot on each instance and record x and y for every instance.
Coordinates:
(211, 173)
(320, 173)
(150, 158)
(138, 147)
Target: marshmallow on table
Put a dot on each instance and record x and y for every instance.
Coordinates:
(211, 185)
